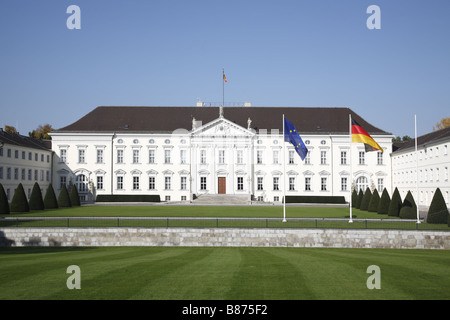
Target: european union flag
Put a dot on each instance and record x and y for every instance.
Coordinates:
(291, 135)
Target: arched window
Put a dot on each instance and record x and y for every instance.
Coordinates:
(81, 182)
(361, 184)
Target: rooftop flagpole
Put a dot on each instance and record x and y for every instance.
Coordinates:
(350, 160)
(224, 79)
(284, 174)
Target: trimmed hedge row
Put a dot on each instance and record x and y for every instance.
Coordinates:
(316, 199)
(128, 198)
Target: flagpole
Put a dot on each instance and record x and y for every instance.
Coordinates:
(223, 87)
(417, 169)
(350, 160)
(284, 174)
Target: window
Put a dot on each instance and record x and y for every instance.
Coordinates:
(259, 157)
(151, 156)
(308, 157)
(275, 156)
(35, 175)
(260, 183)
(62, 155)
(119, 156)
(183, 183)
(81, 182)
(379, 157)
(23, 174)
(16, 174)
(99, 182)
(307, 183)
(23, 155)
(323, 184)
(47, 173)
(1, 151)
(203, 156)
(30, 156)
(240, 183)
(135, 156)
(167, 156)
(362, 156)
(276, 198)
(30, 174)
(8, 173)
(182, 156)
(276, 182)
(380, 185)
(291, 157)
(343, 184)
(151, 183)
(343, 157)
(16, 154)
(240, 157)
(9, 153)
(323, 157)
(81, 155)
(167, 183)
(361, 184)
(291, 183)
(221, 156)
(99, 155)
(1, 172)
(119, 182)
(202, 183)
(135, 183)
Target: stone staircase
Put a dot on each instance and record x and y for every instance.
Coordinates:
(222, 199)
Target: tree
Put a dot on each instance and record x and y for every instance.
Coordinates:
(36, 201)
(42, 132)
(444, 123)
(401, 139)
(19, 202)
(74, 197)
(50, 201)
(4, 204)
(63, 198)
(374, 201)
(383, 205)
(359, 200)
(11, 129)
(409, 208)
(354, 198)
(395, 205)
(366, 200)
(438, 211)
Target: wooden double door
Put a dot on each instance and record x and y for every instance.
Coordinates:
(222, 183)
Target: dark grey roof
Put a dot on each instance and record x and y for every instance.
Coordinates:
(24, 141)
(168, 119)
(428, 138)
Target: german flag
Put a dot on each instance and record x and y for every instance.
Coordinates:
(360, 135)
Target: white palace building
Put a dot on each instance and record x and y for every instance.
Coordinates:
(182, 153)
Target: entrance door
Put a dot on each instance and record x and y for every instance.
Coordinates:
(222, 185)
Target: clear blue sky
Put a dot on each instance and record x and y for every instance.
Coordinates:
(305, 53)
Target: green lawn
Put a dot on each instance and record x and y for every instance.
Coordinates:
(185, 273)
(202, 211)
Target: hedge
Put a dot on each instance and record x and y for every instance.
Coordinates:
(366, 200)
(354, 198)
(385, 201)
(128, 198)
(316, 199)
(409, 208)
(359, 199)
(395, 205)
(74, 197)
(374, 201)
(438, 211)
(63, 198)
(19, 202)
(50, 201)
(4, 204)
(36, 201)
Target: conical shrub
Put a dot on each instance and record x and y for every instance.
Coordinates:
(50, 201)
(354, 198)
(74, 197)
(63, 198)
(438, 211)
(409, 208)
(36, 201)
(366, 200)
(359, 199)
(374, 200)
(385, 200)
(395, 205)
(19, 202)
(4, 204)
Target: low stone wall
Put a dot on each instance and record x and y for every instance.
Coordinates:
(232, 237)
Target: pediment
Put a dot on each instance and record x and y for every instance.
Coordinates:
(222, 127)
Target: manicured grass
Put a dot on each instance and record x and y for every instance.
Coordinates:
(202, 211)
(184, 273)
